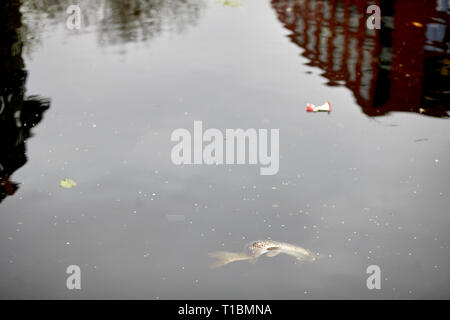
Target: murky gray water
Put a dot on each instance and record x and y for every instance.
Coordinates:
(367, 184)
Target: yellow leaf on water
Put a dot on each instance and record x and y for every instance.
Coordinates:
(67, 183)
(230, 3)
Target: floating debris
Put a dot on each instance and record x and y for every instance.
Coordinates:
(326, 107)
(255, 249)
(230, 3)
(67, 183)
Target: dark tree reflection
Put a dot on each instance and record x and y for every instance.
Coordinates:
(18, 115)
(118, 21)
(140, 20)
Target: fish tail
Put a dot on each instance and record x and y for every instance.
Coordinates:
(224, 257)
(316, 256)
(321, 256)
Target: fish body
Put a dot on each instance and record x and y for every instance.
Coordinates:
(255, 249)
(272, 248)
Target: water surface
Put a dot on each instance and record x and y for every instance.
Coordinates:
(366, 184)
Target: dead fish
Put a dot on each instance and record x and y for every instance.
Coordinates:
(255, 249)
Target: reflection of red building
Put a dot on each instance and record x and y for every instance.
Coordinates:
(404, 66)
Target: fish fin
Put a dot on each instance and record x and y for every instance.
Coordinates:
(224, 257)
(273, 248)
(273, 253)
(299, 260)
(253, 260)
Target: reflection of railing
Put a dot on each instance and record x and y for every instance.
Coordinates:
(390, 69)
